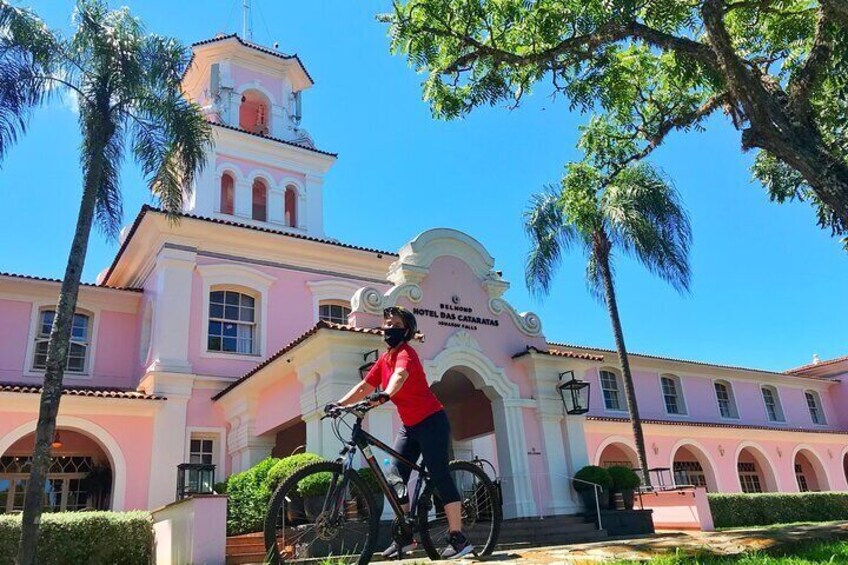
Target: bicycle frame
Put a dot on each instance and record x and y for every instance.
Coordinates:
(362, 440)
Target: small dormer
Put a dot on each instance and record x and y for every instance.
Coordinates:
(264, 169)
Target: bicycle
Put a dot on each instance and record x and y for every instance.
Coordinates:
(328, 509)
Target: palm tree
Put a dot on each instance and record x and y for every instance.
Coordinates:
(126, 84)
(635, 210)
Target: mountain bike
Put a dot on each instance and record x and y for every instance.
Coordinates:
(330, 509)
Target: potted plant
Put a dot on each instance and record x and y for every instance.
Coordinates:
(314, 489)
(597, 476)
(624, 481)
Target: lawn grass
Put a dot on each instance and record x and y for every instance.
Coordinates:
(802, 553)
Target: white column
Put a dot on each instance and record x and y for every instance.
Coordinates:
(577, 453)
(318, 391)
(172, 309)
(276, 207)
(512, 459)
(311, 207)
(243, 199)
(562, 500)
(169, 426)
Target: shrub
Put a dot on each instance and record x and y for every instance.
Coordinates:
(248, 498)
(736, 510)
(286, 466)
(592, 474)
(315, 485)
(623, 478)
(368, 476)
(84, 537)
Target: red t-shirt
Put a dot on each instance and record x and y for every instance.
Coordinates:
(415, 401)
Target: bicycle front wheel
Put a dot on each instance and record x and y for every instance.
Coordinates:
(481, 511)
(320, 511)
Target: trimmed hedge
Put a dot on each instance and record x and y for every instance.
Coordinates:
(93, 538)
(737, 510)
(248, 494)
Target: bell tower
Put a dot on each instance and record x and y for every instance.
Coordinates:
(264, 169)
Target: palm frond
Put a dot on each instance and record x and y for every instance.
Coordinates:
(550, 235)
(646, 219)
(27, 64)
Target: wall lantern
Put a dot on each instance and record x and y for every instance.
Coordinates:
(369, 358)
(194, 478)
(574, 393)
(57, 441)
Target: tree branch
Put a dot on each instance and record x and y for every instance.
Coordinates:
(811, 72)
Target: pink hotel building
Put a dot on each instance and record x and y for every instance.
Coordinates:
(219, 339)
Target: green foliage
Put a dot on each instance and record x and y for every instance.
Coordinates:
(315, 484)
(220, 487)
(736, 510)
(592, 474)
(646, 69)
(93, 538)
(801, 553)
(288, 465)
(368, 476)
(623, 478)
(248, 495)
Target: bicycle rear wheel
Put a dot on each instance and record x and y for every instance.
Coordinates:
(481, 511)
(319, 512)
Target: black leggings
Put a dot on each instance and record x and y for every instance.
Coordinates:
(429, 438)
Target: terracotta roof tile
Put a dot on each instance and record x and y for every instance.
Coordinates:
(824, 363)
(97, 392)
(46, 279)
(718, 425)
(147, 208)
(275, 139)
(321, 325)
(560, 353)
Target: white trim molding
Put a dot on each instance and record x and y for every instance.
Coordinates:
(231, 275)
(108, 443)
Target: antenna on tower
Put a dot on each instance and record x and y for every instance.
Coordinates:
(247, 21)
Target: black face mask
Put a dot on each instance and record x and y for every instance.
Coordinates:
(393, 336)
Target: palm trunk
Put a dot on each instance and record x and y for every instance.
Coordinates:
(601, 251)
(57, 354)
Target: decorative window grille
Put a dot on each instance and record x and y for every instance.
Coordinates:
(749, 478)
(78, 350)
(801, 478)
(232, 322)
(612, 395)
(689, 473)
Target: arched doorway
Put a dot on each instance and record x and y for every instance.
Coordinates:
(255, 112)
(845, 466)
(691, 466)
(618, 454)
(470, 413)
(79, 477)
(809, 472)
(754, 471)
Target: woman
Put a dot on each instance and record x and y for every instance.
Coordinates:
(425, 431)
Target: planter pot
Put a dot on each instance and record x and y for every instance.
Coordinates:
(628, 495)
(588, 498)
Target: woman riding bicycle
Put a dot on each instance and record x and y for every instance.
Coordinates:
(425, 431)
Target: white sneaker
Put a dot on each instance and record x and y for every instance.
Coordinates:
(458, 546)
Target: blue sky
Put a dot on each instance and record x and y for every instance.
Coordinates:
(768, 288)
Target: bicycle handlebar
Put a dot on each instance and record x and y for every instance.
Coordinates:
(360, 408)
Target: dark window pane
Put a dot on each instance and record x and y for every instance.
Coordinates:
(217, 296)
(216, 310)
(229, 344)
(214, 343)
(247, 314)
(215, 328)
(231, 313)
(230, 330)
(232, 298)
(247, 301)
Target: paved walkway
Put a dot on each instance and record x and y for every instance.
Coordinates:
(723, 543)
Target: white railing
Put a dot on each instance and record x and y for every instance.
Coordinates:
(538, 480)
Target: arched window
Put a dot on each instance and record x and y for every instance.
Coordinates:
(291, 206)
(334, 311)
(611, 387)
(726, 400)
(80, 336)
(772, 403)
(228, 191)
(260, 200)
(232, 322)
(673, 395)
(254, 113)
(815, 407)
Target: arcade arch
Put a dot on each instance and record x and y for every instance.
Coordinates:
(810, 474)
(754, 469)
(692, 465)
